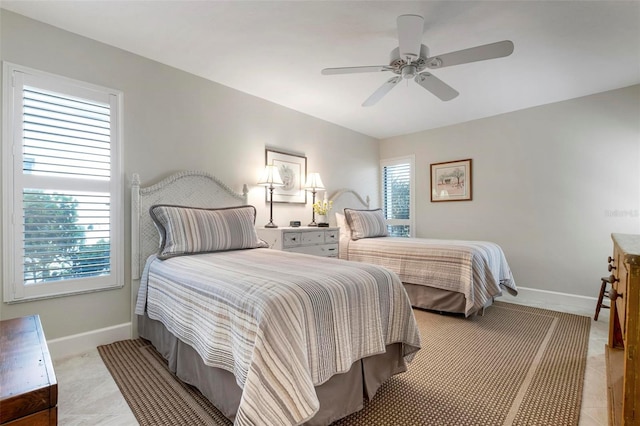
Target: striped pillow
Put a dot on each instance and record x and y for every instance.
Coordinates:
(366, 223)
(191, 230)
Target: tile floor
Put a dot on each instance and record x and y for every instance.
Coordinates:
(87, 395)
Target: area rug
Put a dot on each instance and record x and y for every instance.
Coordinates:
(516, 365)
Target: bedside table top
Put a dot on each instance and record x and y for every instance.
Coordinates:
(301, 228)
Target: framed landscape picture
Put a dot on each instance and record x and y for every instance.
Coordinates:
(293, 171)
(451, 181)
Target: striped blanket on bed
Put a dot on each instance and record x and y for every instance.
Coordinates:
(474, 268)
(281, 322)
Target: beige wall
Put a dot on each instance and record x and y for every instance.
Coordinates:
(550, 184)
(176, 121)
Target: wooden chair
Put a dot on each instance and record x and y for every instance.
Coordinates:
(603, 292)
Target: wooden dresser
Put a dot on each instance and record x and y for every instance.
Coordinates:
(623, 348)
(310, 240)
(28, 385)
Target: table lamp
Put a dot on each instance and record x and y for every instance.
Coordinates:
(270, 178)
(314, 183)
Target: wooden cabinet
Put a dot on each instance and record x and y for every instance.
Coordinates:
(28, 386)
(623, 348)
(309, 240)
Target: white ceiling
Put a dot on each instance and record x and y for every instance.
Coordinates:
(275, 50)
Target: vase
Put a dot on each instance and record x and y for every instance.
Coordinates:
(322, 220)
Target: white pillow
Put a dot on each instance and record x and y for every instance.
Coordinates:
(345, 236)
(341, 222)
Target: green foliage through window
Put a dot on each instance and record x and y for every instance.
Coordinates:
(56, 245)
(396, 180)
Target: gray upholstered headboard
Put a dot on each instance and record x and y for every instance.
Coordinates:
(187, 188)
(346, 198)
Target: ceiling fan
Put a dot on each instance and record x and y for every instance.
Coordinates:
(411, 57)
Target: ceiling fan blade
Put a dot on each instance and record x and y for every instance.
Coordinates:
(382, 90)
(353, 70)
(436, 86)
(410, 28)
(479, 53)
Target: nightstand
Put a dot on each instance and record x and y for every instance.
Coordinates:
(308, 240)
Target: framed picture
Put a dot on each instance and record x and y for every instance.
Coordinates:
(293, 171)
(451, 181)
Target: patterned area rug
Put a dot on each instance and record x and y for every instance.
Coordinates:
(515, 365)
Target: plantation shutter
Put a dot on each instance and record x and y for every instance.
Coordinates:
(64, 136)
(66, 187)
(397, 177)
(397, 180)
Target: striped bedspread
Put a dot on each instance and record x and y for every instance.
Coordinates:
(474, 268)
(281, 322)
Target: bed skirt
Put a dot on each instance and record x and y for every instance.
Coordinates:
(436, 299)
(341, 395)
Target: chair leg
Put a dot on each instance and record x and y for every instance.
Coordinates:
(603, 288)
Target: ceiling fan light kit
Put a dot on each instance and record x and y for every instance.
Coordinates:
(409, 71)
(411, 57)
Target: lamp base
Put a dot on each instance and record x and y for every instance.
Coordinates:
(271, 225)
(313, 224)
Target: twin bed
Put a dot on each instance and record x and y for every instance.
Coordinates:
(279, 338)
(452, 276)
(270, 337)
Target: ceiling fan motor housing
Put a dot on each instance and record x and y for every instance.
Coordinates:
(405, 69)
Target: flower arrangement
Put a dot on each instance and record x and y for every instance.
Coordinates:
(322, 207)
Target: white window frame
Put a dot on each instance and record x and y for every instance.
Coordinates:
(13, 181)
(410, 159)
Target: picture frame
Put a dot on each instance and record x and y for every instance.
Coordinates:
(451, 181)
(293, 171)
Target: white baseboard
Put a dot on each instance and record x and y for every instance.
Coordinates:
(563, 302)
(76, 344)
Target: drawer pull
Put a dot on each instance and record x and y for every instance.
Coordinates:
(610, 259)
(613, 295)
(613, 279)
(611, 267)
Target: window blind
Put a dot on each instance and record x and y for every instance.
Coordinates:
(397, 191)
(66, 234)
(64, 135)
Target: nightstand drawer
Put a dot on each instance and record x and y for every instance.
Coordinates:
(325, 250)
(315, 237)
(291, 239)
(331, 236)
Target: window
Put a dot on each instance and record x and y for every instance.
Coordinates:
(397, 195)
(62, 214)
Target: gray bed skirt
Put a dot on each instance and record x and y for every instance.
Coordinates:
(340, 396)
(435, 299)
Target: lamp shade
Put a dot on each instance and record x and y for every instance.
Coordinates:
(313, 182)
(270, 176)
